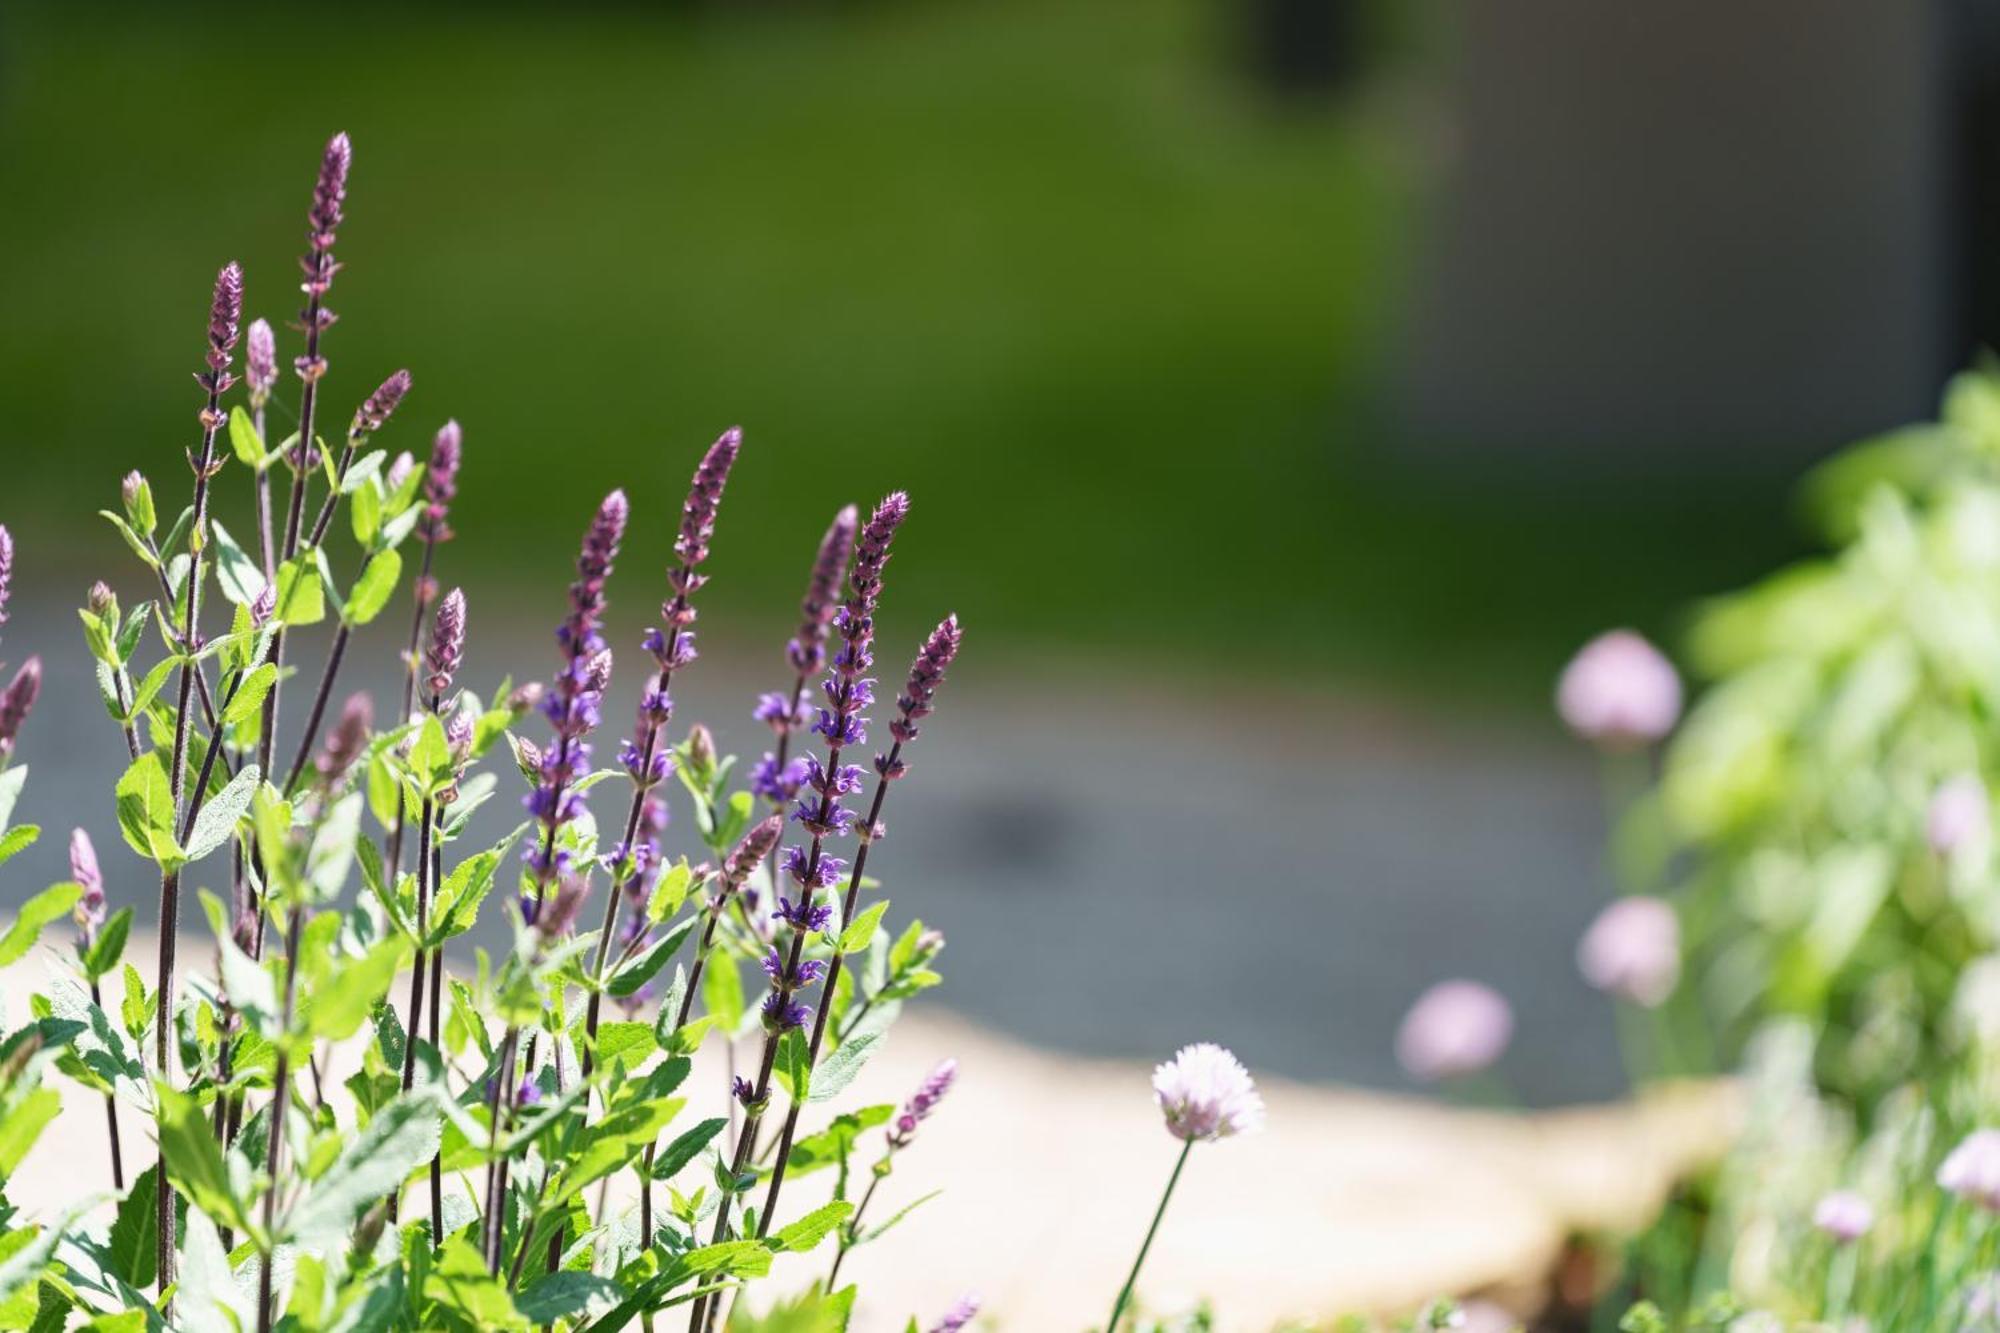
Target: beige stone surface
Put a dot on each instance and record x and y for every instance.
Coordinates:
(1349, 1201)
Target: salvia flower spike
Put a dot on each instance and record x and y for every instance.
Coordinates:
(447, 648)
(6, 570)
(915, 703)
(16, 702)
(260, 362)
(441, 482)
(644, 759)
(573, 702)
(921, 1103)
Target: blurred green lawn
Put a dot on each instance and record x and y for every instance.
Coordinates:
(1114, 318)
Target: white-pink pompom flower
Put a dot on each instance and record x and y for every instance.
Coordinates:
(1972, 1170)
(1844, 1216)
(1454, 1028)
(1206, 1094)
(1619, 692)
(1960, 815)
(1633, 950)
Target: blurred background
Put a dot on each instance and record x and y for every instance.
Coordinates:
(1286, 388)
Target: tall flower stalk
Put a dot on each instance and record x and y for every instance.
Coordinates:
(260, 377)
(777, 777)
(901, 1132)
(912, 707)
(90, 915)
(848, 690)
(440, 489)
(1205, 1095)
(442, 660)
(646, 762)
(225, 311)
(370, 417)
(573, 707)
(323, 220)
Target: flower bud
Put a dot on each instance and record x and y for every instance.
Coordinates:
(138, 497)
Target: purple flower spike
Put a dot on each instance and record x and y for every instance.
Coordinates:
(17, 702)
(323, 220)
(225, 311)
(441, 482)
(959, 1315)
(757, 844)
(348, 740)
(373, 414)
(782, 1012)
(807, 652)
(447, 648)
(84, 870)
(922, 1102)
(926, 674)
(572, 705)
(6, 569)
(330, 190)
(260, 360)
(704, 495)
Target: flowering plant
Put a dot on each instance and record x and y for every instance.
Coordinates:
(505, 1146)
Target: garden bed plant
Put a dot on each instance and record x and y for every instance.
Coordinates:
(360, 1123)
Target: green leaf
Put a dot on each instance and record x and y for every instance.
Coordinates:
(343, 1003)
(23, 1124)
(17, 840)
(146, 811)
(802, 1235)
(48, 905)
(430, 757)
(132, 539)
(722, 991)
(217, 820)
(568, 1295)
(901, 1213)
(194, 1160)
(670, 892)
(11, 782)
(733, 1258)
(134, 1244)
(109, 946)
(838, 1070)
(794, 1065)
(629, 978)
(629, 1042)
(149, 687)
(244, 439)
(461, 1285)
(249, 696)
(668, 1164)
(364, 515)
(860, 932)
(240, 577)
(301, 600)
(403, 1136)
(376, 584)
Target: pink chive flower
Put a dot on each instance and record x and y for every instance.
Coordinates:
(1633, 951)
(1206, 1094)
(1959, 815)
(1972, 1170)
(1844, 1215)
(1619, 692)
(1454, 1028)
